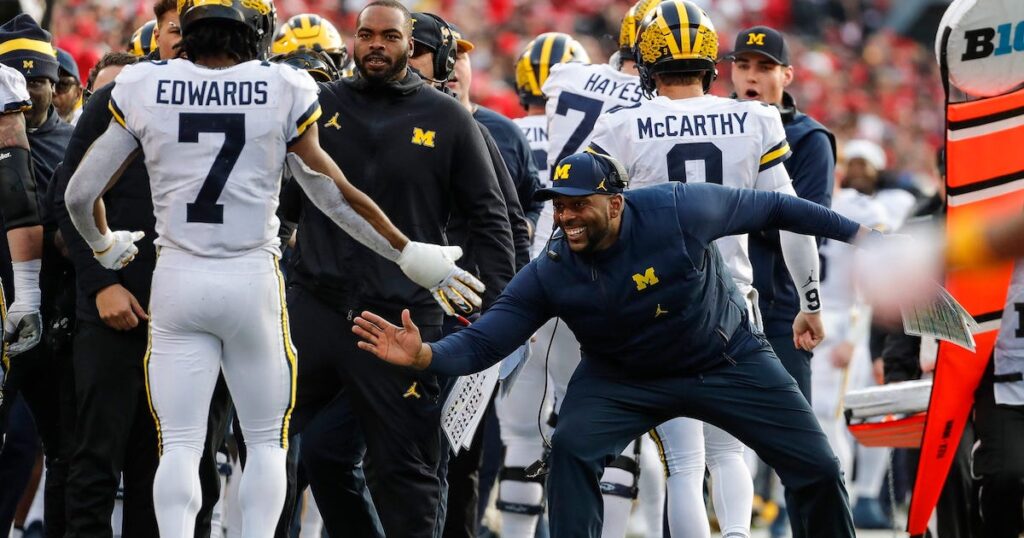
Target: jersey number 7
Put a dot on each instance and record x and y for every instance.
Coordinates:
(206, 209)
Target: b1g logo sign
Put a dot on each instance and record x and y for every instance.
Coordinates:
(982, 42)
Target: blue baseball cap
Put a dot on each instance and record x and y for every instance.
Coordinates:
(583, 174)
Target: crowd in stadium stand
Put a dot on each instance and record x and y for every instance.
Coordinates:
(859, 78)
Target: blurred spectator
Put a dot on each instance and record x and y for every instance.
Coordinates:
(67, 95)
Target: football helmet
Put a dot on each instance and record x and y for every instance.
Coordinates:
(317, 63)
(535, 63)
(144, 39)
(310, 31)
(630, 22)
(676, 37)
(260, 16)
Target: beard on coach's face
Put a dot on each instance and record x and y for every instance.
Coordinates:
(377, 67)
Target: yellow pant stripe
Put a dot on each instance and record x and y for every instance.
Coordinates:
(149, 393)
(289, 352)
(661, 449)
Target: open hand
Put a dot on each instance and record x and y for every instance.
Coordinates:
(118, 250)
(401, 346)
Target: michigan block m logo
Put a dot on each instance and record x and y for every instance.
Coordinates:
(562, 171)
(423, 138)
(645, 280)
(755, 39)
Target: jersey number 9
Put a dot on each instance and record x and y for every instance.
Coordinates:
(681, 156)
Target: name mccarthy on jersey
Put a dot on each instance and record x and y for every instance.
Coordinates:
(628, 91)
(211, 92)
(725, 124)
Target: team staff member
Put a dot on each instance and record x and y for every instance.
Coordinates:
(663, 329)
(115, 432)
(438, 54)
(761, 71)
(42, 376)
(515, 149)
(419, 155)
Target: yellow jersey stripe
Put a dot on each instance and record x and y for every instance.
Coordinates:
(684, 27)
(116, 111)
(24, 43)
(308, 117)
(289, 352)
(775, 155)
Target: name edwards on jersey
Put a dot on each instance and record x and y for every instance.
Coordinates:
(211, 92)
(725, 124)
(627, 91)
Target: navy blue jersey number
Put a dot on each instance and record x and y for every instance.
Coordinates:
(591, 109)
(540, 159)
(680, 154)
(206, 209)
(1019, 307)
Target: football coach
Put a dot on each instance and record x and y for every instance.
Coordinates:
(420, 156)
(663, 332)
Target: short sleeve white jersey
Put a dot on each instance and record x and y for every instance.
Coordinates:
(711, 139)
(214, 142)
(535, 129)
(13, 91)
(577, 94)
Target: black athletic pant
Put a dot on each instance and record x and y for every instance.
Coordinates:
(44, 379)
(999, 462)
(396, 409)
(797, 363)
(116, 434)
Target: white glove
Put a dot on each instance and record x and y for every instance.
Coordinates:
(117, 249)
(23, 323)
(433, 267)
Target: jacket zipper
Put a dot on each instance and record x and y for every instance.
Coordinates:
(725, 340)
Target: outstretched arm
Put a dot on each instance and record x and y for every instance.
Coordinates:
(517, 313)
(430, 266)
(711, 211)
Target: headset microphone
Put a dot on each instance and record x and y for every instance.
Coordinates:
(554, 256)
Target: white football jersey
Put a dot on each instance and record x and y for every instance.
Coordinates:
(711, 139)
(577, 95)
(215, 142)
(1009, 352)
(13, 91)
(535, 128)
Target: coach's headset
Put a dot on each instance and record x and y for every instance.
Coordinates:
(445, 55)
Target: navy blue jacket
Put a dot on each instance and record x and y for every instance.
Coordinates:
(515, 151)
(659, 301)
(812, 167)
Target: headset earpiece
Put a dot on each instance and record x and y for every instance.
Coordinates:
(445, 55)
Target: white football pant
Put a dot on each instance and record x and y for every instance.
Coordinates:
(209, 314)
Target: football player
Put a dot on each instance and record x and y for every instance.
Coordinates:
(683, 134)
(21, 221)
(310, 31)
(218, 297)
(577, 93)
(520, 496)
(144, 39)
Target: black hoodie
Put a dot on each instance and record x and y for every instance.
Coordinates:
(420, 156)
